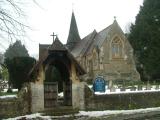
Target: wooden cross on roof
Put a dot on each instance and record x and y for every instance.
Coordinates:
(53, 36)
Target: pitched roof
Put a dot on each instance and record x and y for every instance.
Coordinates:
(94, 39)
(83, 44)
(57, 45)
(99, 39)
(73, 36)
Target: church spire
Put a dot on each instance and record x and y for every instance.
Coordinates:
(73, 36)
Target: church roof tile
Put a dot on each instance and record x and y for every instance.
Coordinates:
(83, 44)
(94, 39)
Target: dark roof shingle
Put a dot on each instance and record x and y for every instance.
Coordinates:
(94, 39)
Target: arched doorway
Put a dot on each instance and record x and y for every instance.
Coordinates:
(57, 84)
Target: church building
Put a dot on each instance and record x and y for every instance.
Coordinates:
(107, 53)
(66, 68)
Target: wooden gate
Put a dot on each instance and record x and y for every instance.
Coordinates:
(67, 93)
(50, 94)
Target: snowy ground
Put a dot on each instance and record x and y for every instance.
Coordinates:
(118, 91)
(111, 112)
(13, 90)
(89, 114)
(126, 91)
(8, 96)
(29, 117)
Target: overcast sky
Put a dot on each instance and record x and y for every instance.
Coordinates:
(55, 15)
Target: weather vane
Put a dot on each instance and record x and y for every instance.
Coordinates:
(72, 7)
(114, 17)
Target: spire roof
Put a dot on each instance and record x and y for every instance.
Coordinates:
(73, 36)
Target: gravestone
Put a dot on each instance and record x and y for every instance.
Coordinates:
(133, 88)
(148, 86)
(122, 88)
(139, 87)
(99, 84)
(157, 87)
(112, 89)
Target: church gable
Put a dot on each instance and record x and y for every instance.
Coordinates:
(115, 46)
(116, 30)
(118, 44)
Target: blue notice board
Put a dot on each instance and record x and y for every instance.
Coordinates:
(99, 84)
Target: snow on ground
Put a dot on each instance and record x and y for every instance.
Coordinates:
(124, 92)
(31, 116)
(8, 96)
(118, 91)
(111, 112)
(90, 86)
(13, 90)
(89, 114)
(60, 94)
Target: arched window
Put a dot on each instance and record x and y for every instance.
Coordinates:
(116, 46)
(94, 59)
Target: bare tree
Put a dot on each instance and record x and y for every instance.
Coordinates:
(12, 26)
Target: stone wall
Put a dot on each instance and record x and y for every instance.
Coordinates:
(10, 107)
(122, 101)
(37, 95)
(13, 107)
(78, 95)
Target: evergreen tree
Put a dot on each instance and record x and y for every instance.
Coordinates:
(145, 38)
(18, 63)
(16, 50)
(18, 69)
